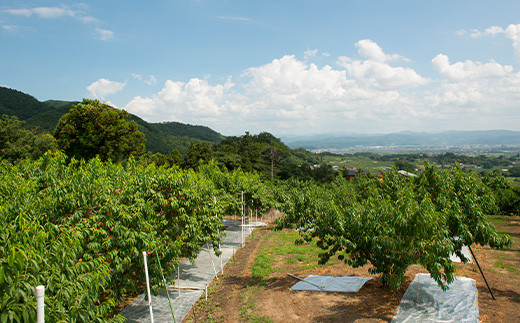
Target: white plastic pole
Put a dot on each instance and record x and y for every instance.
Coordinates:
(148, 287)
(40, 304)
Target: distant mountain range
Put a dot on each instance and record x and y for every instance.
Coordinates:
(44, 116)
(406, 139)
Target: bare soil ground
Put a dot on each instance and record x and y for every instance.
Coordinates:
(239, 297)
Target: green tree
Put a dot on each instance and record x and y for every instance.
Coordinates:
(405, 165)
(174, 157)
(17, 143)
(262, 153)
(274, 150)
(397, 222)
(507, 197)
(93, 128)
(514, 171)
(199, 152)
(168, 160)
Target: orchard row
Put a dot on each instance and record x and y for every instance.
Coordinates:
(79, 228)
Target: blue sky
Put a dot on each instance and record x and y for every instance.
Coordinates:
(286, 67)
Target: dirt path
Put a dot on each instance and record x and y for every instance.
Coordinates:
(240, 275)
(237, 297)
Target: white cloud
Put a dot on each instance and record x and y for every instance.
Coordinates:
(375, 72)
(104, 34)
(145, 107)
(290, 78)
(43, 12)
(512, 32)
(494, 30)
(64, 11)
(310, 53)
(194, 100)
(371, 50)
(362, 95)
(475, 33)
(104, 87)
(381, 75)
(468, 70)
(483, 95)
(150, 81)
(284, 92)
(89, 20)
(494, 99)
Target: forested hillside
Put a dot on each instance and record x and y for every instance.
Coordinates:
(160, 137)
(166, 136)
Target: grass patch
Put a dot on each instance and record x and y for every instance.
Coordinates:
(505, 255)
(497, 219)
(500, 264)
(262, 266)
(258, 319)
(306, 254)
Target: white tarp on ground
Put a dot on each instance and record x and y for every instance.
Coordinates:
(424, 301)
(465, 252)
(347, 284)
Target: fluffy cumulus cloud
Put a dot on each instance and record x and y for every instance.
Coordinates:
(469, 70)
(288, 88)
(513, 32)
(193, 101)
(381, 75)
(102, 88)
(286, 92)
(371, 50)
(376, 92)
(375, 70)
(482, 94)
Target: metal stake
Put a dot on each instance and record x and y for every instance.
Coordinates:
(482, 273)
